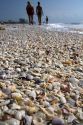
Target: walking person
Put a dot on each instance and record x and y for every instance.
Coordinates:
(39, 12)
(46, 19)
(30, 12)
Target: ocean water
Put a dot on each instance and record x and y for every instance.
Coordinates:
(73, 28)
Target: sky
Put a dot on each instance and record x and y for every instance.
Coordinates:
(58, 11)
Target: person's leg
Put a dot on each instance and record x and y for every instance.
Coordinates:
(29, 19)
(39, 19)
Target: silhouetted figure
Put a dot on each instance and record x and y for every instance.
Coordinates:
(30, 12)
(39, 12)
(46, 20)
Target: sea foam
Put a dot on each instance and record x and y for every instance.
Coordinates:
(73, 28)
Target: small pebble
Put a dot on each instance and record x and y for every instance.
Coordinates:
(57, 121)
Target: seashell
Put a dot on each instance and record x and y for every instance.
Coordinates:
(71, 102)
(6, 102)
(62, 99)
(51, 79)
(59, 75)
(44, 85)
(68, 62)
(46, 104)
(50, 87)
(59, 65)
(79, 103)
(31, 110)
(3, 76)
(56, 86)
(23, 75)
(32, 94)
(72, 110)
(13, 122)
(2, 95)
(15, 106)
(10, 112)
(12, 87)
(5, 108)
(36, 74)
(80, 83)
(73, 81)
(17, 96)
(29, 77)
(19, 114)
(71, 118)
(29, 103)
(65, 88)
(18, 70)
(49, 115)
(80, 114)
(2, 85)
(65, 112)
(6, 91)
(54, 101)
(26, 120)
(40, 115)
(50, 109)
(38, 121)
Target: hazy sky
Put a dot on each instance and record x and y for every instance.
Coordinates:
(57, 10)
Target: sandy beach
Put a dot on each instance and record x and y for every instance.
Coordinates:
(41, 76)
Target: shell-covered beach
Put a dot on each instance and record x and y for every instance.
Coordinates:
(41, 76)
